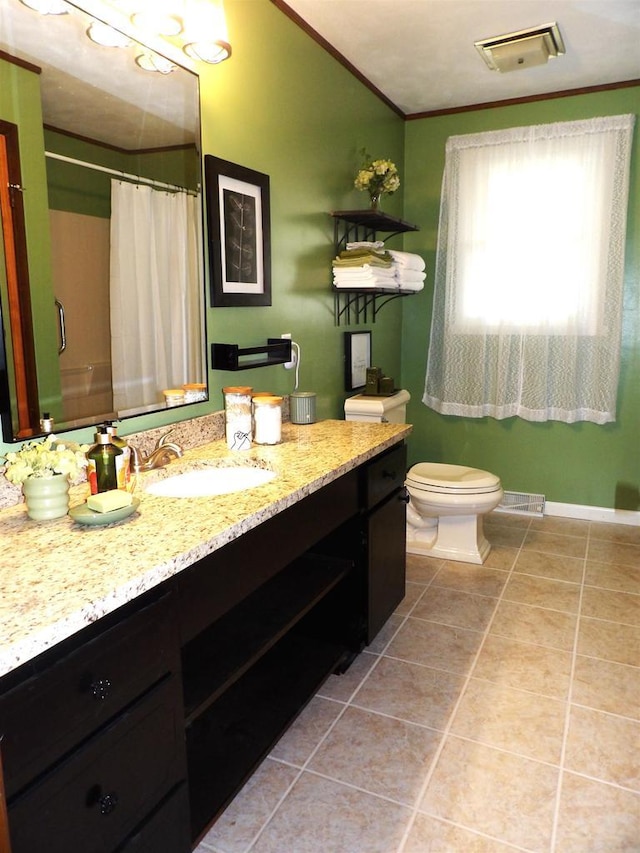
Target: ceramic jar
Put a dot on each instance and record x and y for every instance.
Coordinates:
(46, 497)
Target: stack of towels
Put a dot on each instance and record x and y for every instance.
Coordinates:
(368, 264)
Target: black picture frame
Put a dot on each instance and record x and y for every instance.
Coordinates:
(238, 234)
(357, 358)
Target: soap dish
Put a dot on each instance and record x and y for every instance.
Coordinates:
(84, 515)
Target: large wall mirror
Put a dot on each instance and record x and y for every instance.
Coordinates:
(101, 262)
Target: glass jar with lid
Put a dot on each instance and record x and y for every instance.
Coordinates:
(267, 419)
(237, 416)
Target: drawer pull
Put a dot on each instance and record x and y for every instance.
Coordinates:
(108, 803)
(100, 688)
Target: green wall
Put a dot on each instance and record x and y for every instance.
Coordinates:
(281, 105)
(574, 463)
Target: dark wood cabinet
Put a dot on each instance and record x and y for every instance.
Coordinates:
(132, 736)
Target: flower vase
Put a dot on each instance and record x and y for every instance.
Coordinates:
(46, 497)
(375, 200)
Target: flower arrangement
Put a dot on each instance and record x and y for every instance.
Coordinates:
(377, 177)
(44, 459)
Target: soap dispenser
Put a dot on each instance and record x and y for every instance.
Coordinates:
(102, 469)
(123, 463)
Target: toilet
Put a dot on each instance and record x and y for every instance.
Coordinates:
(447, 502)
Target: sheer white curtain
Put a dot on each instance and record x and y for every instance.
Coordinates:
(156, 303)
(529, 272)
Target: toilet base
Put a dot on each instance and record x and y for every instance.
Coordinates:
(456, 537)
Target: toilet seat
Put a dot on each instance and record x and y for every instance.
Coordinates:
(451, 479)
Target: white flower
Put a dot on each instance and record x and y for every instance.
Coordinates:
(44, 459)
(377, 177)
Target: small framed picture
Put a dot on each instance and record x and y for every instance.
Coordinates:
(239, 234)
(357, 358)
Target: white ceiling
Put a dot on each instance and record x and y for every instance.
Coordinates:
(420, 54)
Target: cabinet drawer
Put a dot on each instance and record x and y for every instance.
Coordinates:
(167, 830)
(51, 712)
(97, 797)
(384, 475)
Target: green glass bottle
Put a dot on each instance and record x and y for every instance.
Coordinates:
(102, 469)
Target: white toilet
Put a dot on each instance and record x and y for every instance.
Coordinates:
(447, 502)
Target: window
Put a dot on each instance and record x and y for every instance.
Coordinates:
(529, 272)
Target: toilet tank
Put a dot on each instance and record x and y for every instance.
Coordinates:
(392, 409)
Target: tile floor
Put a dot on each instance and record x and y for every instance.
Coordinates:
(498, 710)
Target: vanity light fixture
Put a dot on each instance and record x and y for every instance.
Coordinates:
(205, 36)
(47, 7)
(212, 52)
(106, 36)
(154, 62)
(159, 23)
(522, 49)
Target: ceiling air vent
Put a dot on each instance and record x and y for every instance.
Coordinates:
(522, 49)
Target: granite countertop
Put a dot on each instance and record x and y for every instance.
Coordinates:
(58, 576)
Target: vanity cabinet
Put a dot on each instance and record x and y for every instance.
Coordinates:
(133, 735)
(92, 736)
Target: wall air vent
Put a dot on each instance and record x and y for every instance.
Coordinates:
(522, 49)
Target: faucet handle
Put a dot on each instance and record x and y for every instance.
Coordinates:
(164, 437)
(136, 459)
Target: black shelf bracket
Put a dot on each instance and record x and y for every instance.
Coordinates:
(352, 226)
(233, 357)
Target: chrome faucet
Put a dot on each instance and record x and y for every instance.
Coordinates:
(161, 455)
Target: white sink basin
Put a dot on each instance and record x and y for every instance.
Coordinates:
(206, 482)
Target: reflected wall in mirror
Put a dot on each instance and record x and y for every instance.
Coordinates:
(101, 268)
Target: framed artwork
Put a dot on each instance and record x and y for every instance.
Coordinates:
(238, 233)
(357, 358)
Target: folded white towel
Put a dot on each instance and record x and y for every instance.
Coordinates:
(372, 282)
(412, 285)
(366, 244)
(407, 260)
(406, 275)
(354, 272)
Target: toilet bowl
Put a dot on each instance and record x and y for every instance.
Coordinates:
(447, 502)
(444, 515)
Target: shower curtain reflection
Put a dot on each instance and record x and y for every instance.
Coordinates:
(156, 303)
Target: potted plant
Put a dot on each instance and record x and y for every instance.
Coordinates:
(44, 470)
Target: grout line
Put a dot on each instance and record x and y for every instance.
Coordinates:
(447, 730)
(567, 717)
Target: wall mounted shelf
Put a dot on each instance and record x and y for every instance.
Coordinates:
(353, 226)
(233, 357)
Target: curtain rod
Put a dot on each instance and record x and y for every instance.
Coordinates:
(135, 178)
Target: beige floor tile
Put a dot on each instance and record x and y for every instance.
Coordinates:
(505, 537)
(418, 694)
(506, 519)
(612, 576)
(429, 835)
(607, 686)
(543, 592)
(247, 814)
(501, 558)
(413, 593)
(625, 533)
(611, 605)
(297, 744)
(604, 746)
(322, 816)
(439, 646)
(614, 552)
(524, 666)
(422, 569)
(377, 754)
(550, 566)
(536, 625)
(558, 524)
(481, 580)
(555, 543)
(510, 719)
(342, 687)
(609, 641)
(501, 795)
(597, 818)
(385, 634)
(453, 607)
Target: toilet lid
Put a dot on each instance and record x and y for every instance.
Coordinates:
(451, 478)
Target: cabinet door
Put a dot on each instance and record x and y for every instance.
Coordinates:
(386, 561)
